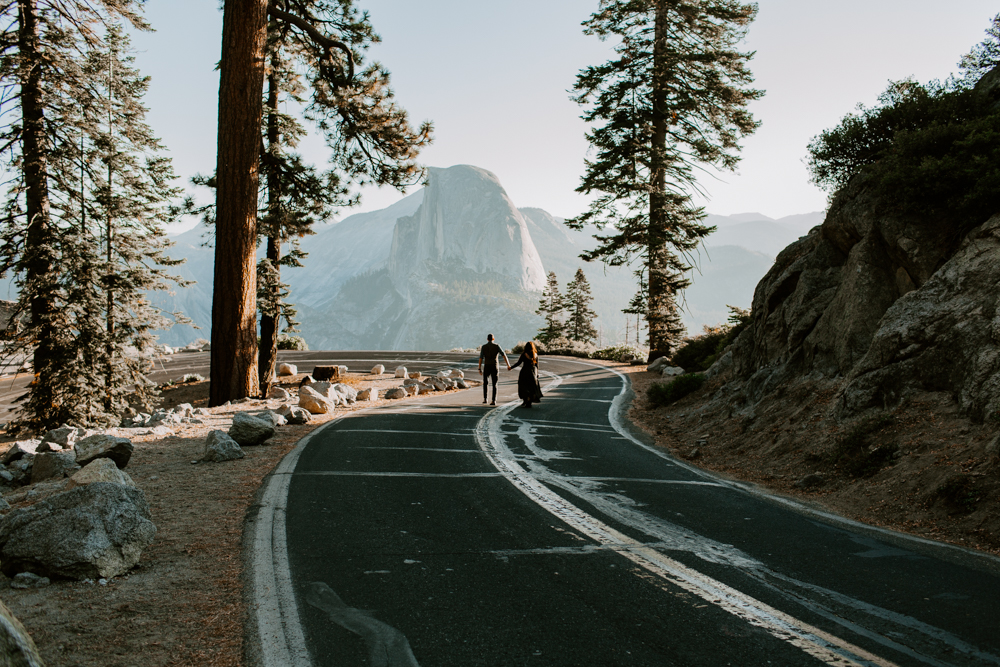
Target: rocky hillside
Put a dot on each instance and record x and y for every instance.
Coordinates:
(869, 374)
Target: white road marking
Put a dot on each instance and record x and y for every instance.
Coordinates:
(813, 641)
(456, 433)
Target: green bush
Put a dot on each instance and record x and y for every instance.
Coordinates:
(700, 352)
(931, 151)
(665, 393)
(620, 353)
(286, 342)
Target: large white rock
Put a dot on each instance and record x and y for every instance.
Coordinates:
(327, 390)
(250, 430)
(104, 446)
(19, 450)
(378, 370)
(64, 436)
(271, 417)
(220, 447)
(671, 371)
(94, 531)
(370, 394)
(343, 370)
(101, 470)
(287, 369)
(313, 401)
(347, 393)
(401, 371)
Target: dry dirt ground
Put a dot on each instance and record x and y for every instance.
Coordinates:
(183, 604)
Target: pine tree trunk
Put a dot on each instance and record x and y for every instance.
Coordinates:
(39, 248)
(659, 344)
(268, 355)
(234, 302)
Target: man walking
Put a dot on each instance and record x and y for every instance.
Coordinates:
(488, 356)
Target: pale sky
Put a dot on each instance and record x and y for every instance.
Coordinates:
(494, 78)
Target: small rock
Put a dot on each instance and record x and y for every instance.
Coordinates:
(24, 580)
(220, 447)
(19, 449)
(294, 416)
(105, 446)
(694, 453)
(309, 379)
(314, 402)
(248, 430)
(287, 369)
(671, 371)
(378, 370)
(395, 392)
(279, 393)
(656, 364)
(414, 375)
(370, 394)
(401, 371)
(810, 481)
(53, 465)
(100, 470)
(272, 417)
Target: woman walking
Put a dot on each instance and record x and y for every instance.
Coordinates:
(528, 388)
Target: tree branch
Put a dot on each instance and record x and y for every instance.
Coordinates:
(316, 35)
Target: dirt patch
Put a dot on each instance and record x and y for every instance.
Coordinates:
(183, 604)
(921, 469)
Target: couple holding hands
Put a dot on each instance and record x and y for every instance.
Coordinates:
(528, 388)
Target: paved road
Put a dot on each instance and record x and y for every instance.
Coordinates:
(441, 532)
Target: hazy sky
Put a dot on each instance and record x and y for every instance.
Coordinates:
(494, 76)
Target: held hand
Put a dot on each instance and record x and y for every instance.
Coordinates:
(480, 371)
(508, 366)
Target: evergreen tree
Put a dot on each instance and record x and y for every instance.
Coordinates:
(580, 323)
(42, 78)
(371, 139)
(637, 306)
(673, 98)
(983, 57)
(551, 307)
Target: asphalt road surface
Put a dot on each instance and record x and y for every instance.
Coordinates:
(439, 531)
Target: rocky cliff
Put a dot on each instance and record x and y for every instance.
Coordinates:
(886, 306)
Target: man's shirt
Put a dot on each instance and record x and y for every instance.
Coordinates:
(489, 354)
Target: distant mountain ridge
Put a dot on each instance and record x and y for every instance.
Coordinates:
(444, 265)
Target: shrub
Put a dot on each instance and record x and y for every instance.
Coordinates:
(621, 353)
(286, 342)
(700, 352)
(931, 151)
(665, 393)
(193, 377)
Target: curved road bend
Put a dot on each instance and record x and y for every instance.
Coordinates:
(440, 532)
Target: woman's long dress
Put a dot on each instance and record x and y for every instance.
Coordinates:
(528, 388)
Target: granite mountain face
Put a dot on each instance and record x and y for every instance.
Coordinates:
(457, 259)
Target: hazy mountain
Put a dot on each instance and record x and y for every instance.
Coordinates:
(442, 266)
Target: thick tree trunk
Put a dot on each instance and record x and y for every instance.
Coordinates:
(39, 251)
(657, 252)
(269, 321)
(234, 302)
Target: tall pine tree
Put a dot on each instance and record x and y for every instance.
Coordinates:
(580, 320)
(551, 308)
(371, 139)
(41, 74)
(673, 98)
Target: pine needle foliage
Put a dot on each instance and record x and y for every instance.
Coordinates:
(580, 317)
(671, 101)
(53, 163)
(551, 307)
